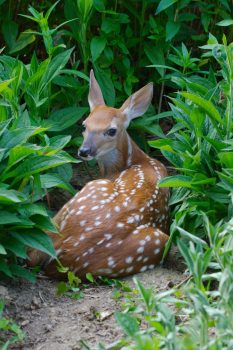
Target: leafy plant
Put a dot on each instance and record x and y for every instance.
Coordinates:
(10, 331)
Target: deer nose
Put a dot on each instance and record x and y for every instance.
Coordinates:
(84, 152)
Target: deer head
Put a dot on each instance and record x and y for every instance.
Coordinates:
(105, 127)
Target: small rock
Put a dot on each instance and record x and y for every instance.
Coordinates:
(36, 302)
(170, 284)
(4, 294)
(48, 327)
(25, 323)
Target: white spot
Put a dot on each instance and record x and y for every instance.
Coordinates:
(129, 269)
(77, 258)
(85, 253)
(97, 223)
(81, 199)
(130, 220)
(108, 236)
(91, 250)
(67, 239)
(95, 207)
(106, 270)
(135, 232)
(144, 268)
(87, 229)
(150, 267)
(156, 251)
(142, 242)
(82, 237)
(82, 222)
(117, 209)
(58, 251)
(63, 223)
(120, 225)
(148, 238)
(108, 216)
(86, 264)
(157, 242)
(140, 250)
(139, 258)
(120, 242)
(108, 245)
(145, 259)
(100, 242)
(129, 259)
(76, 244)
(103, 188)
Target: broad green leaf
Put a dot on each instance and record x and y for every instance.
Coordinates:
(7, 218)
(4, 84)
(35, 164)
(207, 105)
(53, 180)
(226, 159)
(4, 267)
(164, 4)
(106, 86)
(25, 38)
(176, 181)
(21, 272)
(11, 196)
(98, 44)
(225, 23)
(2, 250)
(64, 118)
(15, 247)
(172, 28)
(36, 239)
(128, 323)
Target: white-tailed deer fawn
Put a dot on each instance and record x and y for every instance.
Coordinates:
(115, 226)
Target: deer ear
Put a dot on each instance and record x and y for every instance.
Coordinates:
(95, 97)
(138, 103)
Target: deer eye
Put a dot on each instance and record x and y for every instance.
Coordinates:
(111, 132)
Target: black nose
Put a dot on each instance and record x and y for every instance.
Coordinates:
(84, 152)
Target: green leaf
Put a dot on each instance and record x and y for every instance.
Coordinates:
(172, 28)
(36, 239)
(25, 38)
(226, 159)
(5, 268)
(34, 165)
(7, 218)
(98, 44)
(164, 4)
(106, 86)
(208, 106)
(89, 277)
(99, 5)
(21, 272)
(128, 323)
(176, 181)
(64, 118)
(2, 250)
(53, 180)
(225, 23)
(11, 196)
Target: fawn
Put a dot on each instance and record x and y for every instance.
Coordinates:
(115, 226)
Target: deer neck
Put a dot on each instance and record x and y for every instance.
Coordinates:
(126, 154)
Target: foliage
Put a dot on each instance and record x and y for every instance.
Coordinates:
(8, 326)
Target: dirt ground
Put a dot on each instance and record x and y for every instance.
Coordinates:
(51, 322)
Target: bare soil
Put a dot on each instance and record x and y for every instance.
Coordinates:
(52, 322)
